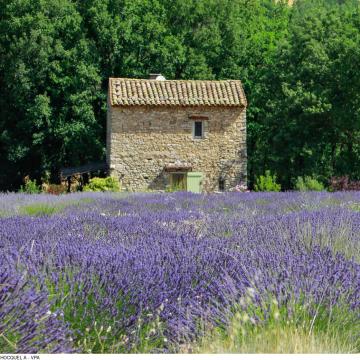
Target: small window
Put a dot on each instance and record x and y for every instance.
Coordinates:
(221, 184)
(198, 130)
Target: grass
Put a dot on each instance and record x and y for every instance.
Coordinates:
(41, 209)
(251, 332)
(3, 213)
(46, 209)
(355, 206)
(281, 340)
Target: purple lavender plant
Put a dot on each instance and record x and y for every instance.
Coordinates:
(139, 273)
(27, 325)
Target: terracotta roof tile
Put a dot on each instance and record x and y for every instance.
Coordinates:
(176, 92)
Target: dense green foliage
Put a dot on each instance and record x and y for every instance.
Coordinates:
(30, 187)
(266, 182)
(299, 66)
(308, 183)
(103, 184)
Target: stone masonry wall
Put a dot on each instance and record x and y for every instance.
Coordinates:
(142, 140)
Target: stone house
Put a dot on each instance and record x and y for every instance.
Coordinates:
(180, 134)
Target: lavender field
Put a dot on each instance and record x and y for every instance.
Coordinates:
(179, 272)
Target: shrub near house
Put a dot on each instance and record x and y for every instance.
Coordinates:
(267, 182)
(102, 184)
(308, 184)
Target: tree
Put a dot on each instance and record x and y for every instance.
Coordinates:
(310, 109)
(49, 85)
(299, 66)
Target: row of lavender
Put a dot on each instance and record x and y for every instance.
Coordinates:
(111, 273)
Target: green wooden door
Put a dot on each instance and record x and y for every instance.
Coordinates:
(194, 182)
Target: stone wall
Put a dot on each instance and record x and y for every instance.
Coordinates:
(142, 140)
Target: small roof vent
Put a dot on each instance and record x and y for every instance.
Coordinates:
(156, 77)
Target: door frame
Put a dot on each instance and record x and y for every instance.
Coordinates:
(184, 180)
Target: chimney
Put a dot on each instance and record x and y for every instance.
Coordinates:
(156, 77)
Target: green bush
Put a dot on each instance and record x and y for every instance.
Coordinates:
(308, 184)
(102, 184)
(266, 182)
(30, 187)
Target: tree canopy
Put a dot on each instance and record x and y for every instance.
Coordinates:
(299, 65)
